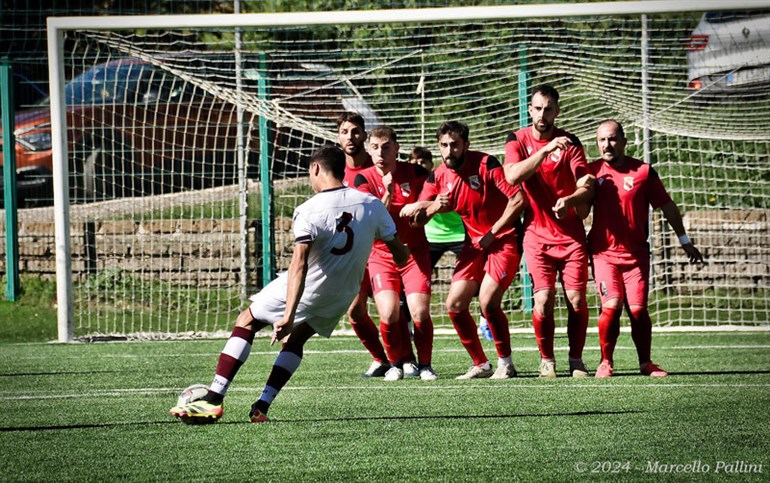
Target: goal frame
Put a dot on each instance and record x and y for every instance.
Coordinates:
(56, 26)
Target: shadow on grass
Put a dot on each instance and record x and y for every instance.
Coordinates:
(463, 417)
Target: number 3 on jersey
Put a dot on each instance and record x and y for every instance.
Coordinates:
(343, 220)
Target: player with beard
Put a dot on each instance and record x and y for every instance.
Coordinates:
(351, 136)
(398, 184)
(551, 166)
(472, 183)
(625, 190)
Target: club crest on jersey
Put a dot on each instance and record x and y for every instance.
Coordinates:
(474, 182)
(555, 156)
(628, 183)
(406, 189)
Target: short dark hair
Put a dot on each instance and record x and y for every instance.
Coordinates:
(353, 117)
(453, 127)
(420, 152)
(331, 159)
(545, 90)
(617, 123)
(383, 132)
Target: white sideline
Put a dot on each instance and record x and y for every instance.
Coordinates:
(389, 387)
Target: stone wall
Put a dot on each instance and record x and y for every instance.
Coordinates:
(207, 252)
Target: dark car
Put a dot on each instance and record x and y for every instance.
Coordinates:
(135, 128)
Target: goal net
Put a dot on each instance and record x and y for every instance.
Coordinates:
(188, 141)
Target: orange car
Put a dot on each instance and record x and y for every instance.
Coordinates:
(134, 128)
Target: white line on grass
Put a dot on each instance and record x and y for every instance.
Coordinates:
(363, 351)
(387, 387)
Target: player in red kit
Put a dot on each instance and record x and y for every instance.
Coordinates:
(351, 136)
(398, 184)
(472, 183)
(625, 190)
(551, 166)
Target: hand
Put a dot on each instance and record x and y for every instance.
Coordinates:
(387, 182)
(561, 142)
(485, 241)
(281, 329)
(693, 253)
(443, 202)
(560, 208)
(410, 210)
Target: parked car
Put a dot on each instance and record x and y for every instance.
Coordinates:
(136, 129)
(729, 50)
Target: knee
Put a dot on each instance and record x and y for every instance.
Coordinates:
(358, 312)
(576, 300)
(244, 319)
(455, 305)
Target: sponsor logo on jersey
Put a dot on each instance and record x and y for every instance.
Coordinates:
(529, 150)
(406, 189)
(628, 183)
(345, 183)
(474, 182)
(555, 156)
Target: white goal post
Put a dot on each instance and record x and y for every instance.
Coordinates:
(608, 59)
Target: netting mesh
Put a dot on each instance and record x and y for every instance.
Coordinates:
(710, 146)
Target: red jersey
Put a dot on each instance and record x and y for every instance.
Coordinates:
(622, 208)
(554, 178)
(408, 181)
(350, 173)
(478, 192)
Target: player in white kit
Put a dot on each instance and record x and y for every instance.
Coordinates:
(333, 236)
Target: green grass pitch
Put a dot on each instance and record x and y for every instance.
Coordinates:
(99, 412)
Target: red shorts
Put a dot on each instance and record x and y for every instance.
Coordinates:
(544, 261)
(615, 280)
(500, 261)
(414, 277)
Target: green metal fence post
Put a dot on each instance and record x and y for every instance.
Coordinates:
(523, 88)
(9, 178)
(268, 237)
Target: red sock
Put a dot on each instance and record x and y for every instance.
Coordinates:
(544, 332)
(391, 341)
(641, 332)
(369, 336)
(498, 327)
(466, 329)
(577, 325)
(609, 330)
(423, 340)
(406, 340)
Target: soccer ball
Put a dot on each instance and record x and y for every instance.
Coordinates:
(192, 393)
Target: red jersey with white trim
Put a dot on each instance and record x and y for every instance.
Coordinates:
(350, 172)
(622, 208)
(554, 178)
(478, 192)
(408, 181)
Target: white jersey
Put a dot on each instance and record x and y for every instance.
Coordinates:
(342, 224)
